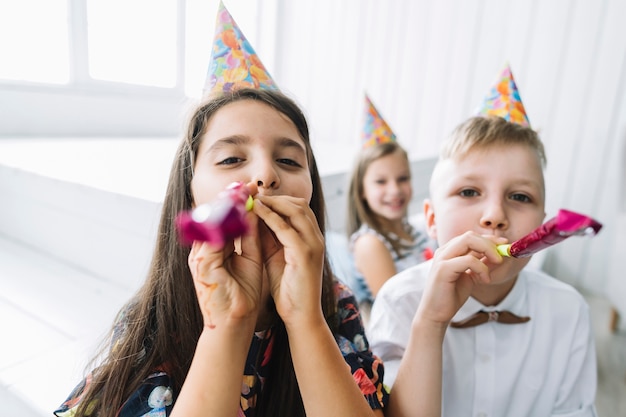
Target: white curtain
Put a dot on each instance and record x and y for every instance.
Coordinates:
(426, 64)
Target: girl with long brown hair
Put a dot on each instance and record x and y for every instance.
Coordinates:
(265, 308)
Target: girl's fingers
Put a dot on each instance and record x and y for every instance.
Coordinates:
(250, 242)
(295, 267)
(290, 218)
(205, 257)
(295, 212)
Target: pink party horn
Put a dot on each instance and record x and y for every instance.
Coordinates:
(565, 224)
(216, 222)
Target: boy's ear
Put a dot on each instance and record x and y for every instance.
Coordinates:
(429, 216)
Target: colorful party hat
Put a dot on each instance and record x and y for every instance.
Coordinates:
(504, 100)
(376, 130)
(234, 63)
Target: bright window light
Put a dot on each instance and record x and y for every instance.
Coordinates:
(125, 41)
(133, 41)
(199, 32)
(34, 41)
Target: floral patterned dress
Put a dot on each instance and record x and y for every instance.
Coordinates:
(155, 397)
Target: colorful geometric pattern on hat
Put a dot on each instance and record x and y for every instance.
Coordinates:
(504, 100)
(234, 64)
(376, 130)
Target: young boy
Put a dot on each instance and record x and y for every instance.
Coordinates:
(488, 188)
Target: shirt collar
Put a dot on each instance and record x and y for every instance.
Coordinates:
(515, 302)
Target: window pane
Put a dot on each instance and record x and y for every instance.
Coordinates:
(133, 41)
(34, 40)
(199, 32)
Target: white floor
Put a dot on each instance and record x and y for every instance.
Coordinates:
(611, 350)
(52, 317)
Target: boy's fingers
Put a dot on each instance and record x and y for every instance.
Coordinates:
(470, 243)
(470, 266)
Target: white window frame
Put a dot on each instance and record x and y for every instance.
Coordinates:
(89, 107)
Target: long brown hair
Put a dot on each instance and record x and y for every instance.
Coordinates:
(162, 322)
(359, 212)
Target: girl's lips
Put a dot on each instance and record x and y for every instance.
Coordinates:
(396, 204)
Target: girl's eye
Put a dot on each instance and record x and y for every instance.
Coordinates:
(468, 193)
(290, 162)
(523, 198)
(230, 160)
(381, 182)
(404, 179)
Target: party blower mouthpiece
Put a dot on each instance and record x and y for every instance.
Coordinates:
(218, 221)
(565, 224)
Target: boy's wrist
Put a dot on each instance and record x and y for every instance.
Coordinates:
(425, 324)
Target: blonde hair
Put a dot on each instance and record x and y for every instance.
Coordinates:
(482, 132)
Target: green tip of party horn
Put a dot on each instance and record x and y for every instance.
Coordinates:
(249, 203)
(504, 250)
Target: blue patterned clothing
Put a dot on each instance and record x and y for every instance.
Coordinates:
(156, 398)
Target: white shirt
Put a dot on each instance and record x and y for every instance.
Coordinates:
(545, 367)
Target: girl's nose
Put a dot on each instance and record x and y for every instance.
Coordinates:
(394, 187)
(266, 178)
(262, 184)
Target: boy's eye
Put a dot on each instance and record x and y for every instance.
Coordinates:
(230, 160)
(523, 198)
(404, 179)
(468, 193)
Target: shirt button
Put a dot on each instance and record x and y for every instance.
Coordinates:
(484, 358)
(481, 415)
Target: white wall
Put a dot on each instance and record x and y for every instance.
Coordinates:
(427, 64)
(56, 112)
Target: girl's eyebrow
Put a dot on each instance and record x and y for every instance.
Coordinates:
(228, 141)
(282, 142)
(290, 143)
